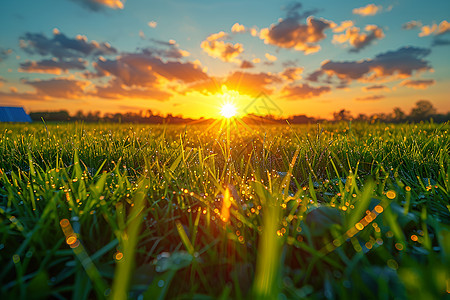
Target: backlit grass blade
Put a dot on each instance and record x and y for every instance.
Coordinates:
(266, 284)
(130, 237)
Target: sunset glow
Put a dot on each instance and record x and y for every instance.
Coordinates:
(177, 57)
(228, 110)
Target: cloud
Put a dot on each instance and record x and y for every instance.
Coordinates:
(314, 76)
(303, 91)
(152, 24)
(52, 66)
(435, 29)
(59, 88)
(244, 82)
(411, 25)
(116, 90)
(440, 42)
(344, 25)
(270, 57)
(401, 63)
(4, 53)
(418, 84)
(131, 69)
(214, 46)
(251, 83)
(254, 31)
(144, 69)
(14, 97)
(97, 5)
(428, 30)
(357, 39)
(290, 33)
(237, 28)
(209, 86)
(292, 73)
(370, 98)
(61, 46)
(368, 10)
(246, 64)
(376, 87)
(171, 50)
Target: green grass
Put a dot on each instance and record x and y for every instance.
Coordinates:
(292, 212)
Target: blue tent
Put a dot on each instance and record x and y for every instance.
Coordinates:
(14, 114)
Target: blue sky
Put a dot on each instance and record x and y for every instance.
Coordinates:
(175, 56)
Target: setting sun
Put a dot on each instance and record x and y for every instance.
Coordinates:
(228, 110)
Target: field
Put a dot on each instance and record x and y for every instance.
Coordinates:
(329, 211)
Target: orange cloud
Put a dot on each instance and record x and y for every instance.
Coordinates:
(115, 4)
(435, 29)
(145, 70)
(401, 63)
(246, 64)
(292, 73)
(375, 88)
(370, 98)
(303, 91)
(214, 46)
(116, 90)
(60, 88)
(428, 30)
(97, 5)
(344, 25)
(237, 28)
(152, 24)
(418, 84)
(270, 57)
(246, 83)
(357, 39)
(368, 10)
(254, 31)
(251, 83)
(52, 66)
(289, 33)
(411, 25)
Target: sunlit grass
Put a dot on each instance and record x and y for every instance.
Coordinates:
(94, 210)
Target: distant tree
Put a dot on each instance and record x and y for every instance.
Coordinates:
(79, 115)
(422, 111)
(61, 115)
(398, 115)
(342, 115)
(362, 117)
(117, 118)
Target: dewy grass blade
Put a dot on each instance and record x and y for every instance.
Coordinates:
(266, 284)
(130, 237)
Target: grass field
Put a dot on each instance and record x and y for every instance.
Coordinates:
(330, 211)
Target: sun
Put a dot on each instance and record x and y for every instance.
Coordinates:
(228, 110)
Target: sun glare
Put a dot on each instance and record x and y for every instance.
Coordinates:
(229, 102)
(228, 110)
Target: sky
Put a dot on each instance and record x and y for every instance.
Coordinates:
(190, 57)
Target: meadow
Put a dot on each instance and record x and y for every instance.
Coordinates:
(322, 211)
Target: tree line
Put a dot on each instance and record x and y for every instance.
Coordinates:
(422, 111)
